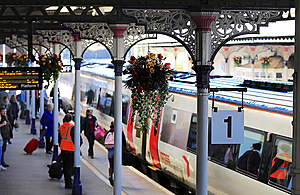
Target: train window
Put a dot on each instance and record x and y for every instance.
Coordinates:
(174, 117)
(137, 126)
(125, 108)
(280, 169)
(192, 140)
(250, 152)
(225, 153)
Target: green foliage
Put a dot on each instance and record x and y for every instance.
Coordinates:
(148, 82)
(51, 66)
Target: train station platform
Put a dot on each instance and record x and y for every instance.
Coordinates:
(28, 174)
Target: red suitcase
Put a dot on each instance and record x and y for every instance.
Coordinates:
(31, 146)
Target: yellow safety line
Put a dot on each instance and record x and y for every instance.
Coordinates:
(98, 173)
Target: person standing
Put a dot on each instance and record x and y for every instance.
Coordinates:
(5, 132)
(280, 165)
(250, 160)
(13, 114)
(47, 122)
(88, 126)
(66, 140)
(1, 143)
(90, 97)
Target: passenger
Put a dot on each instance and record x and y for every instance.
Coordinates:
(5, 132)
(88, 126)
(46, 98)
(5, 103)
(47, 122)
(280, 165)
(90, 97)
(250, 160)
(109, 145)
(22, 102)
(66, 140)
(1, 143)
(13, 114)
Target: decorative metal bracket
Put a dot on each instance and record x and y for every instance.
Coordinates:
(176, 23)
(100, 32)
(135, 33)
(230, 24)
(61, 36)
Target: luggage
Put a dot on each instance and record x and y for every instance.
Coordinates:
(33, 144)
(56, 170)
(99, 132)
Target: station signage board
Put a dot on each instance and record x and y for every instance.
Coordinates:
(21, 78)
(227, 127)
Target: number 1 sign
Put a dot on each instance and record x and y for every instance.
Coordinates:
(227, 127)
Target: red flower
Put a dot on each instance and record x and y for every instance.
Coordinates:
(159, 56)
(132, 58)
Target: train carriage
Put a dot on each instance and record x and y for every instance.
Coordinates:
(171, 151)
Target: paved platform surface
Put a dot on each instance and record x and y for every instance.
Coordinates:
(28, 174)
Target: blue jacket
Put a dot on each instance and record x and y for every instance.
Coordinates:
(85, 124)
(47, 120)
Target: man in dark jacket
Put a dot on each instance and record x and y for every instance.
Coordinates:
(5, 132)
(250, 160)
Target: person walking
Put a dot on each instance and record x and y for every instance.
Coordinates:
(88, 126)
(109, 145)
(47, 122)
(5, 132)
(1, 143)
(66, 140)
(13, 114)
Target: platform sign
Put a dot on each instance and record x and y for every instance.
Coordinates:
(66, 68)
(227, 127)
(20, 78)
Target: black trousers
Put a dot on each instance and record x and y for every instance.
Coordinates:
(49, 143)
(91, 139)
(68, 169)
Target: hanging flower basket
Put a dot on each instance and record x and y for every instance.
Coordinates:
(265, 62)
(51, 66)
(237, 60)
(11, 58)
(22, 60)
(148, 82)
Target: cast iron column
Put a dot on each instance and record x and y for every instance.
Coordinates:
(296, 106)
(77, 187)
(118, 62)
(202, 67)
(55, 111)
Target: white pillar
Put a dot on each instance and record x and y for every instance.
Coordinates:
(4, 57)
(118, 62)
(55, 110)
(296, 113)
(202, 67)
(77, 187)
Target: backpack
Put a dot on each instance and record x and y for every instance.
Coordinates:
(109, 141)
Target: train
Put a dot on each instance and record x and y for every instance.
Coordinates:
(169, 156)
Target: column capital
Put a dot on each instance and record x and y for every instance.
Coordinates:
(203, 20)
(202, 74)
(77, 63)
(76, 37)
(118, 67)
(118, 30)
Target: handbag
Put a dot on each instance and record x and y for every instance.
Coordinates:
(99, 132)
(16, 125)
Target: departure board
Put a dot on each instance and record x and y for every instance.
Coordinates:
(20, 78)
